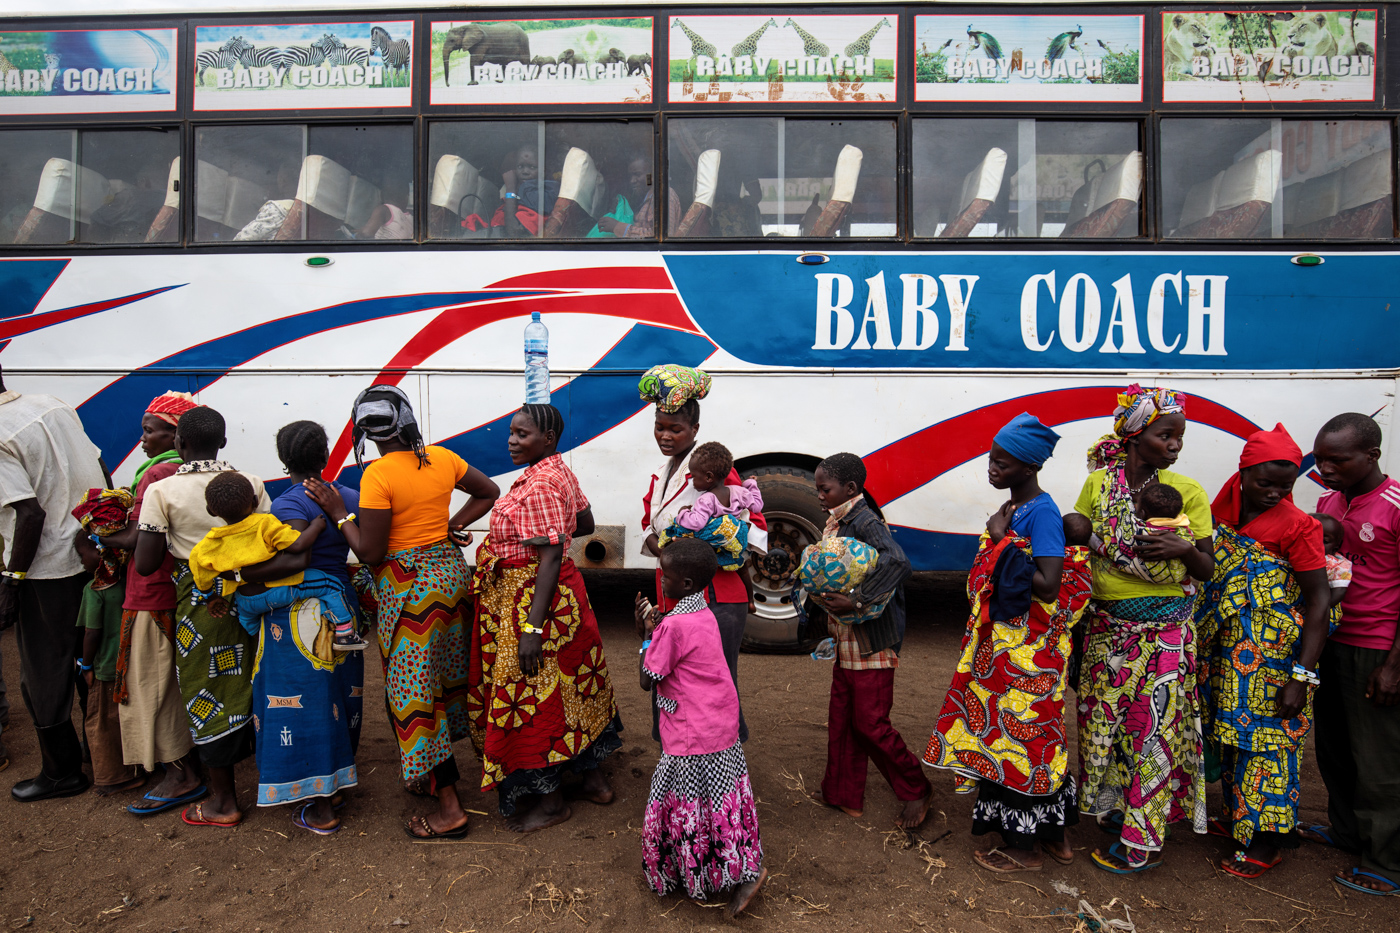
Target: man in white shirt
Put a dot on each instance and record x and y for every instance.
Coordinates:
(47, 464)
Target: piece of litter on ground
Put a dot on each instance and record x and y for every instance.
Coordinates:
(1067, 890)
(398, 922)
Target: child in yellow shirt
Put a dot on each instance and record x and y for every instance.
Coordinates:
(248, 538)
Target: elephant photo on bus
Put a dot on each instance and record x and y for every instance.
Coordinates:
(488, 44)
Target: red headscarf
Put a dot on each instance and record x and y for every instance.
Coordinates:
(1261, 447)
(170, 406)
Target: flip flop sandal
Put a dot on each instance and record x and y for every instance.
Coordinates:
(433, 836)
(420, 787)
(985, 862)
(4, 763)
(199, 819)
(1113, 824)
(1118, 855)
(1347, 882)
(1055, 856)
(1324, 836)
(1242, 866)
(300, 820)
(167, 803)
(337, 800)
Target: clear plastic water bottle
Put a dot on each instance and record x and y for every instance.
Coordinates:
(536, 361)
(826, 650)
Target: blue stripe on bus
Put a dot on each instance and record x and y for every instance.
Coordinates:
(936, 550)
(24, 283)
(111, 416)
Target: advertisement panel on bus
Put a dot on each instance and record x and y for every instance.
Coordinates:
(87, 71)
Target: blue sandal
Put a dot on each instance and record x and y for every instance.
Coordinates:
(1324, 835)
(167, 803)
(1119, 854)
(1347, 882)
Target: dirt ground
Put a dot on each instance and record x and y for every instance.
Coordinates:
(84, 863)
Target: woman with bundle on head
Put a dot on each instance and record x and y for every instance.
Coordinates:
(403, 530)
(1139, 719)
(676, 392)
(326, 675)
(155, 729)
(540, 697)
(1002, 726)
(1261, 625)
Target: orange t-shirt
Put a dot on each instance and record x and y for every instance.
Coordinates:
(418, 498)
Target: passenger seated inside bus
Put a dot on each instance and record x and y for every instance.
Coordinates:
(392, 219)
(525, 197)
(633, 213)
(111, 196)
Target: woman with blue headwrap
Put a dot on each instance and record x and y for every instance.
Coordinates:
(1139, 714)
(1001, 729)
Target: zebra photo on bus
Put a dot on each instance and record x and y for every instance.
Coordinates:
(280, 49)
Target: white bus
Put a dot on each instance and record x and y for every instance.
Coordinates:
(881, 228)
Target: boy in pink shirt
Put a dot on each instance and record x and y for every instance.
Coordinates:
(1356, 708)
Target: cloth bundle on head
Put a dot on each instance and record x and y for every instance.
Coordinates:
(1026, 439)
(670, 386)
(170, 406)
(104, 511)
(1260, 447)
(384, 413)
(1137, 408)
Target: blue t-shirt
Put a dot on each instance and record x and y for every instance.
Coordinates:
(1039, 522)
(331, 548)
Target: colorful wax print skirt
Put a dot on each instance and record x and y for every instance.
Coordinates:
(838, 565)
(1249, 623)
(700, 829)
(423, 600)
(307, 710)
(1003, 719)
(527, 730)
(727, 535)
(214, 661)
(1139, 718)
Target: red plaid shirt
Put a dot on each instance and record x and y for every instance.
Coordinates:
(543, 504)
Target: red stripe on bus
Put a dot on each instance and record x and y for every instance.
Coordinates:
(910, 462)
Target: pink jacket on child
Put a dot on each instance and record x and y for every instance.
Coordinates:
(741, 499)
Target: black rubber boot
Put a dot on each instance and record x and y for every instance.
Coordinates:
(62, 770)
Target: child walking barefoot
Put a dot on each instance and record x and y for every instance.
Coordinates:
(700, 831)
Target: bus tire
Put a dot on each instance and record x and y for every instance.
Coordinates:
(795, 520)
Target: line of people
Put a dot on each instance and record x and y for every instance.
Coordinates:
(1195, 634)
(1204, 640)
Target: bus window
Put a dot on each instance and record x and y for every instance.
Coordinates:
(773, 176)
(88, 186)
(516, 179)
(1026, 178)
(298, 182)
(1266, 178)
